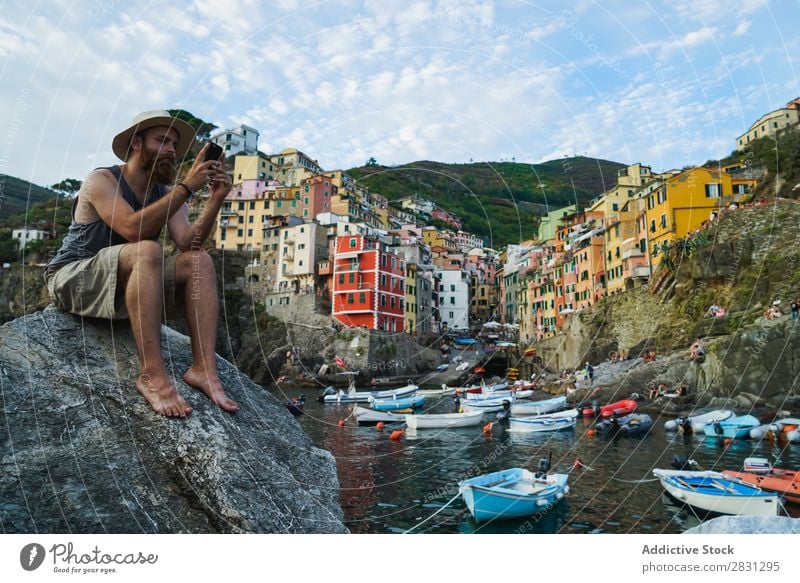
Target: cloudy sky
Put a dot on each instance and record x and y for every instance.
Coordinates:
(664, 83)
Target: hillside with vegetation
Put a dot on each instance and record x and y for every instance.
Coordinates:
(17, 194)
(499, 201)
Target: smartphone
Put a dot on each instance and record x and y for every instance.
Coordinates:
(213, 153)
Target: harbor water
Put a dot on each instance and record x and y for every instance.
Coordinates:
(391, 486)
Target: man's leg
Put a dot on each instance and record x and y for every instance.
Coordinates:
(140, 280)
(196, 280)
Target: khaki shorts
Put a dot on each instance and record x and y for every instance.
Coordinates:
(88, 287)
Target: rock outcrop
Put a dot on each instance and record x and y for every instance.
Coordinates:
(82, 452)
(748, 525)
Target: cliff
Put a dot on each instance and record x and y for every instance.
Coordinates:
(81, 451)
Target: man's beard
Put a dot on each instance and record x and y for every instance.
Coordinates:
(161, 169)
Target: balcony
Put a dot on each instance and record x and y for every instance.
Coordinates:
(641, 272)
(635, 252)
(324, 268)
(228, 213)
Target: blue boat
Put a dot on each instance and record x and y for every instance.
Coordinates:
(733, 428)
(715, 493)
(397, 404)
(512, 493)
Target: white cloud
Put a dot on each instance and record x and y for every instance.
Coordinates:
(742, 28)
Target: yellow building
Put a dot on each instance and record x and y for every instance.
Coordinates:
(411, 309)
(687, 200)
(620, 225)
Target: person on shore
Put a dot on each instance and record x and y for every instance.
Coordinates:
(697, 349)
(590, 373)
(795, 307)
(111, 264)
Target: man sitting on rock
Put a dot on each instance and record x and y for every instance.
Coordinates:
(111, 265)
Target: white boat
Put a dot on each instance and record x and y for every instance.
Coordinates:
(353, 396)
(713, 492)
(366, 416)
(698, 422)
(499, 395)
(445, 390)
(444, 420)
(539, 407)
(485, 405)
(540, 423)
(788, 428)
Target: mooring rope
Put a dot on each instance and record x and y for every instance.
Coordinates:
(434, 514)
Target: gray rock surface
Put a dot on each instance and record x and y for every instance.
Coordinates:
(82, 452)
(748, 525)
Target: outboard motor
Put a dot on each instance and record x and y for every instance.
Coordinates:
(457, 403)
(718, 428)
(685, 425)
(505, 415)
(329, 390)
(681, 462)
(544, 466)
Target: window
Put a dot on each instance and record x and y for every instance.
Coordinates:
(614, 206)
(653, 226)
(240, 232)
(350, 298)
(266, 204)
(352, 243)
(241, 205)
(664, 221)
(250, 219)
(713, 190)
(252, 205)
(452, 300)
(249, 232)
(362, 297)
(351, 277)
(341, 278)
(391, 302)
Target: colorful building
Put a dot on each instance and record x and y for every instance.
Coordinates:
(368, 284)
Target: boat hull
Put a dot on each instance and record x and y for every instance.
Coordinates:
(511, 494)
(785, 483)
(734, 428)
(397, 404)
(540, 423)
(366, 416)
(732, 498)
(698, 422)
(445, 420)
(538, 407)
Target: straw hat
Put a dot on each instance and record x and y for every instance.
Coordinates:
(151, 119)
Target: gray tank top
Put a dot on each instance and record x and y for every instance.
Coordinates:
(83, 241)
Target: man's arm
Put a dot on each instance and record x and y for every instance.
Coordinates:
(100, 191)
(191, 237)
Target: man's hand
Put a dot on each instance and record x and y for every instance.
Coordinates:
(201, 172)
(220, 182)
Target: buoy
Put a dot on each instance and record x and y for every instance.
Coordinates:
(591, 433)
(727, 441)
(379, 426)
(487, 428)
(341, 423)
(396, 435)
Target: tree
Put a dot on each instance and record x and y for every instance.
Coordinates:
(371, 162)
(202, 128)
(67, 186)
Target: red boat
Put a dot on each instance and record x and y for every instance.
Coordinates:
(764, 476)
(620, 408)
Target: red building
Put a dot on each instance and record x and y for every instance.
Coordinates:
(368, 284)
(315, 196)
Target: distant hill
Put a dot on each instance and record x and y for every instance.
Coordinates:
(497, 200)
(17, 194)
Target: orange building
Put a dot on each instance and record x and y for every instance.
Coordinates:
(368, 284)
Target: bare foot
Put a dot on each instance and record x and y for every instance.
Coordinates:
(212, 387)
(162, 396)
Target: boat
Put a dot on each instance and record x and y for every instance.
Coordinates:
(367, 416)
(732, 428)
(619, 408)
(444, 420)
(295, 405)
(442, 367)
(540, 423)
(788, 428)
(464, 341)
(500, 395)
(445, 390)
(538, 407)
(486, 405)
(484, 388)
(331, 395)
(413, 402)
(630, 425)
(513, 493)
(760, 473)
(698, 422)
(713, 492)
